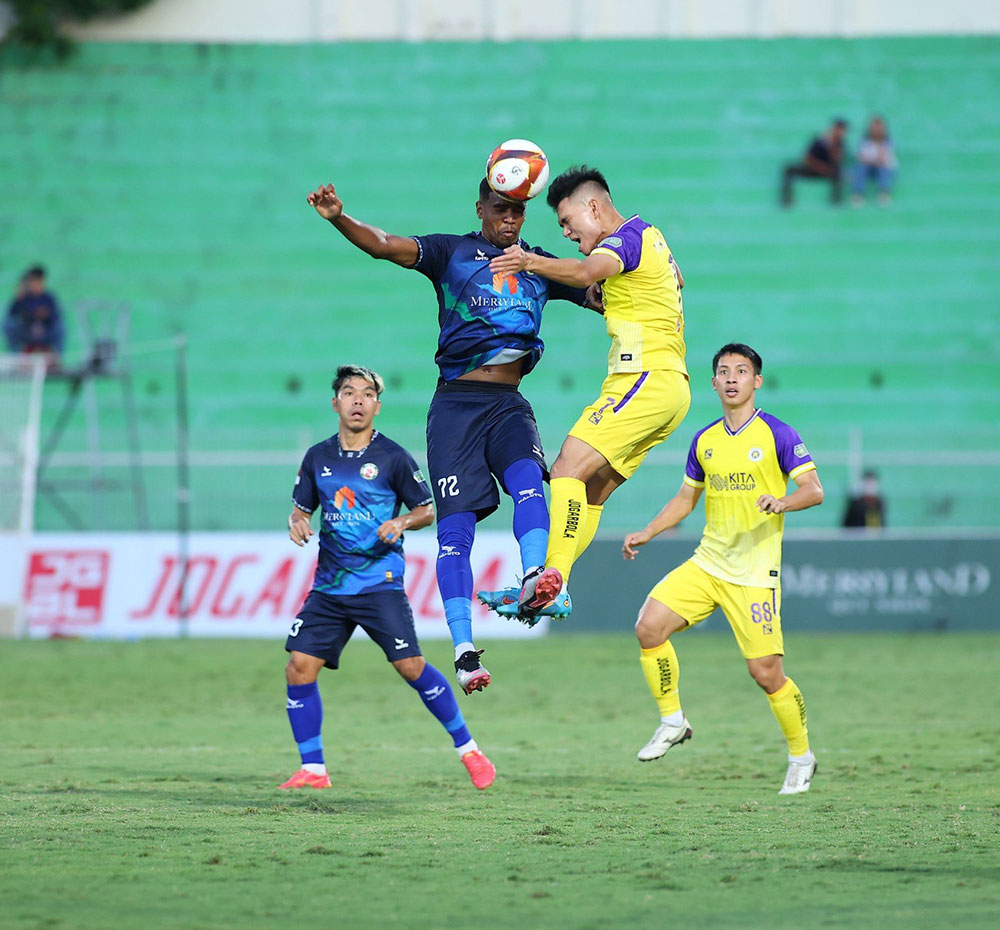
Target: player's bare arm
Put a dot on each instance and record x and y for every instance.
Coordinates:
(299, 526)
(416, 519)
(676, 509)
(401, 250)
(808, 493)
(571, 271)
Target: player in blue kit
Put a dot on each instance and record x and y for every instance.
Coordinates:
(480, 430)
(359, 479)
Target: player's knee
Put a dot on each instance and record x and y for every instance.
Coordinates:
(298, 673)
(410, 668)
(649, 632)
(768, 676)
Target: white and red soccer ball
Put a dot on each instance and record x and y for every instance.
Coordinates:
(517, 169)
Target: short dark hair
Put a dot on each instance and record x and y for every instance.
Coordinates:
(739, 348)
(35, 271)
(484, 190)
(570, 180)
(357, 371)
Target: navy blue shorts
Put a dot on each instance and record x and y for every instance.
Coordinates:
(326, 621)
(475, 431)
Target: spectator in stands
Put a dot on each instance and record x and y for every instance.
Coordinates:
(823, 161)
(866, 508)
(34, 322)
(875, 161)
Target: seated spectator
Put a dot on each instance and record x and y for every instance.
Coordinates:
(876, 162)
(866, 508)
(822, 161)
(34, 322)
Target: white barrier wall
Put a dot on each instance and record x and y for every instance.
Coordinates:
(479, 20)
(128, 585)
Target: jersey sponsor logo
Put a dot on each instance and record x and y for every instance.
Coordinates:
(613, 242)
(800, 451)
(708, 454)
(418, 476)
(481, 256)
(369, 471)
(325, 473)
(435, 692)
(499, 280)
(755, 454)
(733, 481)
(344, 498)
(401, 643)
(626, 356)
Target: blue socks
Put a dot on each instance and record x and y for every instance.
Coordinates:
(523, 481)
(305, 714)
(454, 573)
(439, 699)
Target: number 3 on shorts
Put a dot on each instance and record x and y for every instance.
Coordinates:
(296, 626)
(449, 486)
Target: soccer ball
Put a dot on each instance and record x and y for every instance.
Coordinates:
(517, 169)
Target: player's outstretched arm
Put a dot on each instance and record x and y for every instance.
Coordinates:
(677, 508)
(299, 526)
(416, 519)
(376, 242)
(808, 493)
(571, 271)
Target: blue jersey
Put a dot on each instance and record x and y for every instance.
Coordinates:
(481, 314)
(358, 491)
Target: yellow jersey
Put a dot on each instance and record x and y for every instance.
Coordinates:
(740, 544)
(643, 309)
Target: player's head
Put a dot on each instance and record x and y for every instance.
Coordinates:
(356, 392)
(838, 129)
(34, 279)
(736, 374)
(582, 201)
(502, 218)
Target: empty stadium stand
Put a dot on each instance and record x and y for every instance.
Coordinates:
(174, 177)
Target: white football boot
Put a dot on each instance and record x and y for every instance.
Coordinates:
(665, 737)
(799, 775)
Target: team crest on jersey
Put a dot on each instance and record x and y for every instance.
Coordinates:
(369, 470)
(755, 454)
(418, 476)
(708, 454)
(801, 451)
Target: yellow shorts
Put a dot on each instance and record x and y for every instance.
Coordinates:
(634, 413)
(753, 613)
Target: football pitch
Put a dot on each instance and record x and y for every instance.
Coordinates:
(138, 784)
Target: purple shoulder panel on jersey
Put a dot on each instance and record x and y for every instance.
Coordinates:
(694, 469)
(792, 451)
(626, 242)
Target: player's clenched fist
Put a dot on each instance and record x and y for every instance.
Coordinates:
(299, 530)
(326, 202)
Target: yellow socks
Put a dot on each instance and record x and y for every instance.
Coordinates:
(589, 531)
(662, 672)
(789, 708)
(567, 523)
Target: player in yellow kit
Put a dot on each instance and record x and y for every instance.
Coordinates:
(742, 462)
(645, 395)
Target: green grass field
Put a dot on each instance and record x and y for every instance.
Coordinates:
(138, 791)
